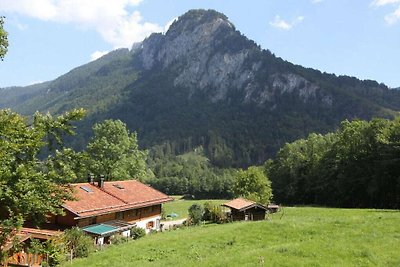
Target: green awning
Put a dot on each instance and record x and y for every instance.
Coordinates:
(100, 229)
(108, 228)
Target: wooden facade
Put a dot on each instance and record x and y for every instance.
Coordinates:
(251, 214)
(24, 259)
(245, 210)
(130, 216)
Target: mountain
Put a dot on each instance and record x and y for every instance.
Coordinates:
(204, 83)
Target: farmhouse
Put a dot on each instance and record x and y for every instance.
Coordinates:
(245, 210)
(101, 209)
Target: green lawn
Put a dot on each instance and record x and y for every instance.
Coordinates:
(302, 237)
(180, 206)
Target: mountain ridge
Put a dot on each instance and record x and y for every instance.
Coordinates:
(204, 83)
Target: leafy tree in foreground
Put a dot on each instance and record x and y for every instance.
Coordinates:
(3, 39)
(29, 189)
(114, 152)
(253, 184)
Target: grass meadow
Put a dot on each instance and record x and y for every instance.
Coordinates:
(180, 206)
(295, 237)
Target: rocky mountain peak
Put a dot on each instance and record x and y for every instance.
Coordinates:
(192, 33)
(192, 19)
(206, 49)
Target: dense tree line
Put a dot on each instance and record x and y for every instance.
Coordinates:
(356, 166)
(190, 174)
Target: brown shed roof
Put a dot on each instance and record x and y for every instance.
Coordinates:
(92, 200)
(242, 204)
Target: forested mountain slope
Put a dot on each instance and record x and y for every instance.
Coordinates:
(204, 83)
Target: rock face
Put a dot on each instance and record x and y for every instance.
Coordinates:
(200, 45)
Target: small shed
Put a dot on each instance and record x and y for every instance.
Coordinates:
(245, 210)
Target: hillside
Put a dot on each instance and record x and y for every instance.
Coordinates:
(204, 83)
(302, 237)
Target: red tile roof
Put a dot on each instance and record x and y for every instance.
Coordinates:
(114, 196)
(242, 204)
(239, 203)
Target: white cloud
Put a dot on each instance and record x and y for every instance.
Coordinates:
(97, 54)
(384, 2)
(279, 23)
(316, 1)
(113, 20)
(393, 17)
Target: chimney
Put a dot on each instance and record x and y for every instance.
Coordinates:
(101, 181)
(90, 178)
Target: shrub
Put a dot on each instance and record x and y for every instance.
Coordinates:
(78, 242)
(137, 232)
(55, 252)
(195, 214)
(153, 231)
(208, 207)
(214, 213)
(118, 239)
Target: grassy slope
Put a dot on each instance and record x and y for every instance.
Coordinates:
(303, 237)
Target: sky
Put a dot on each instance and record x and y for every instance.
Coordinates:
(48, 38)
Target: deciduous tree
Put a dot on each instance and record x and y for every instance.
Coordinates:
(253, 184)
(29, 188)
(114, 152)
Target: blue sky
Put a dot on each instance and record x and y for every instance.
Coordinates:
(48, 38)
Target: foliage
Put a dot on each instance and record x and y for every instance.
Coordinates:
(113, 151)
(54, 249)
(29, 188)
(3, 39)
(357, 166)
(214, 213)
(253, 184)
(137, 232)
(302, 237)
(35, 246)
(190, 173)
(78, 243)
(180, 207)
(119, 239)
(195, 214)
(69, 164)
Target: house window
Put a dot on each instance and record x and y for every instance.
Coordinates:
(150, 225)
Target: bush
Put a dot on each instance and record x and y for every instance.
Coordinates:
(137, 232)
(118, 239)
(153, 231)
(214, 213)
(195, 214)
(78, 242)
(55, 252)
